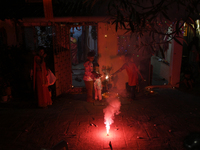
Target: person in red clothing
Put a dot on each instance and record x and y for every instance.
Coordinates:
(132, 72)
(40, 82)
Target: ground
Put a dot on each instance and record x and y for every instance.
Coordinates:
(155, 121)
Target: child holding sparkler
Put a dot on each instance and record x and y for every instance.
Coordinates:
(97, 82)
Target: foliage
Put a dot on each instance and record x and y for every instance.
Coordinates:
(151, 18)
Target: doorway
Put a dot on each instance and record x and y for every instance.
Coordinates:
(82, 40)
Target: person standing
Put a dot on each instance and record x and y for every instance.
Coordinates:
(132, 72)
(88, 76)
(97, 83)
(74, 50)
(40, 83)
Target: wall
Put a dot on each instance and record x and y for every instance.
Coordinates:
(170, 70)
(160, 69)
(108, 50)
(161, 66)
(176, 60)
(9, 26)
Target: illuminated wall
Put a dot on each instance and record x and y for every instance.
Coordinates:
(160, 69)
(111, 43)
(169, 68)
(108, 48)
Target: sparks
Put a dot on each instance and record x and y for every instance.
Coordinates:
(108, 122)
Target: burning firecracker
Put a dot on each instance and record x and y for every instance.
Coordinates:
(112, 109)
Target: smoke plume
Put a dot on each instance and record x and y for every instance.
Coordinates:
(111, 110)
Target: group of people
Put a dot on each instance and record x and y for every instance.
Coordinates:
(92, 78)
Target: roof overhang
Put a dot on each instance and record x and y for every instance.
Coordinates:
(44, 22)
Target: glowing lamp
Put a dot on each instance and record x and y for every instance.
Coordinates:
(107, 77)
(151, 92)
(106, 35)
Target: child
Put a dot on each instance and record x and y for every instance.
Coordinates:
(97, 82)
(88, 76)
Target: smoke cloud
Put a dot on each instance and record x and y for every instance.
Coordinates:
(112, 109)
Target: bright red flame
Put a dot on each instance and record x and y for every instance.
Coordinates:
(111, 110)
(108, 122)
(107, 127)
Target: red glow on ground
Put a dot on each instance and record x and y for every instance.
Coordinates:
(103, 135)
(113, 133)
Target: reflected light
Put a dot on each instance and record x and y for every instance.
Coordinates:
(110, 135)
